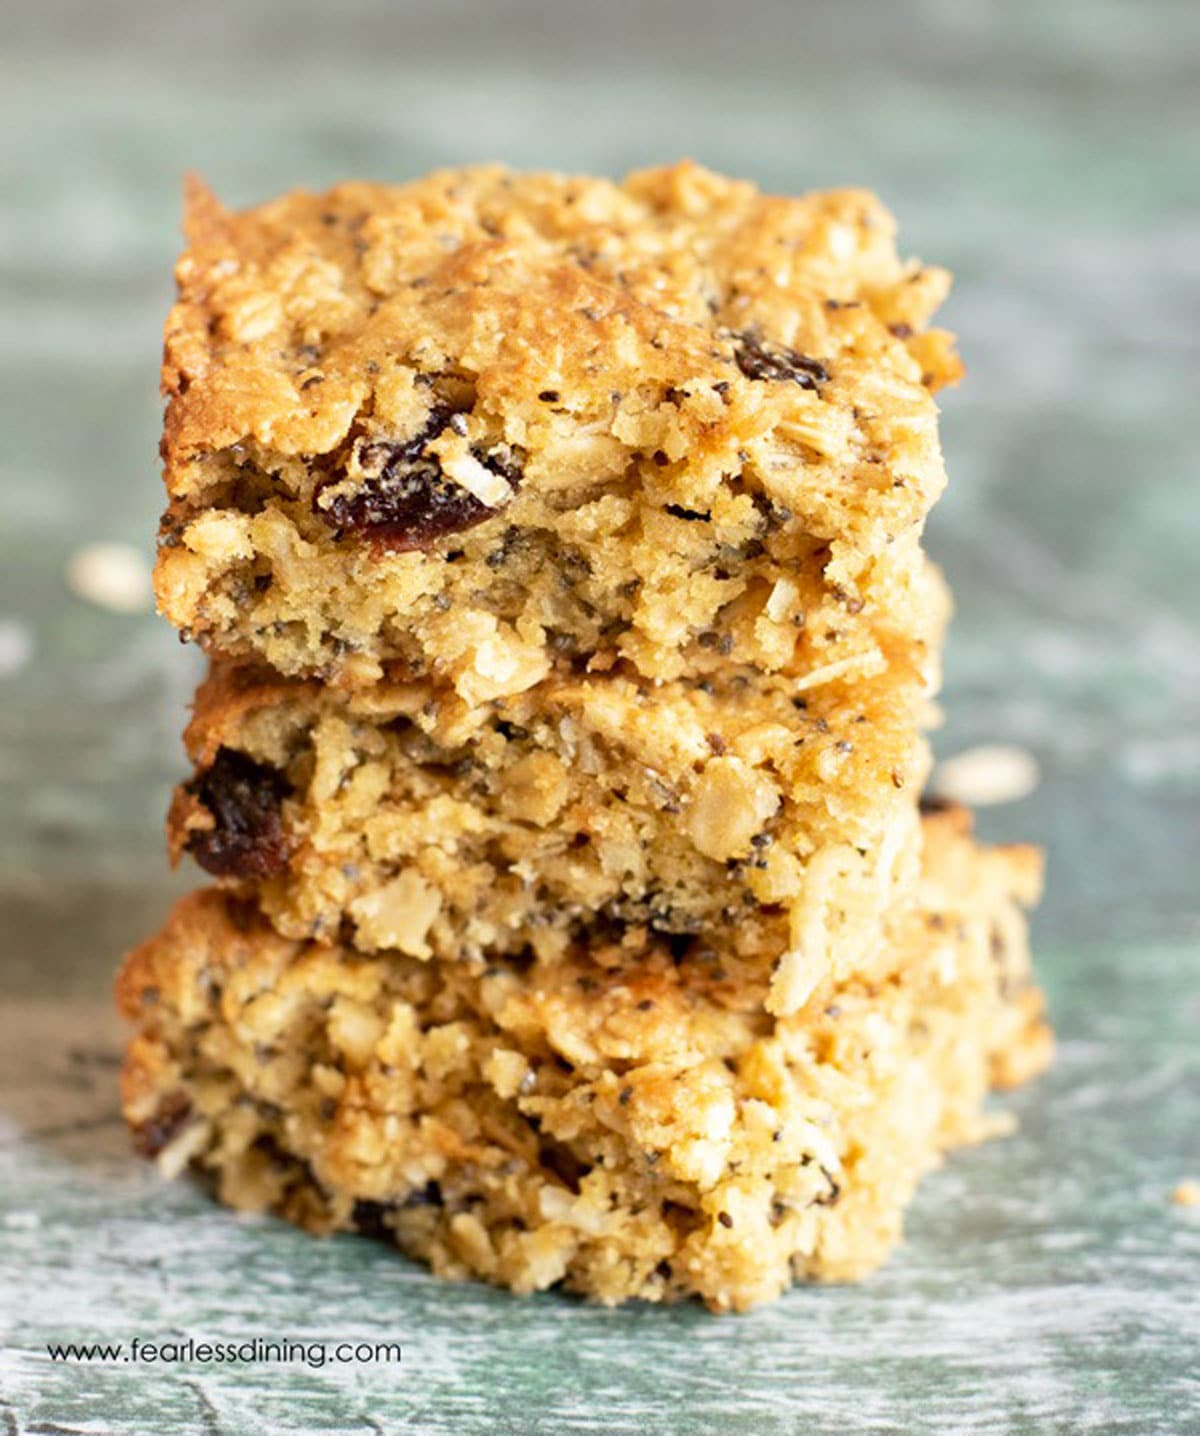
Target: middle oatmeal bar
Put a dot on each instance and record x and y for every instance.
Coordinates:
(485, 425)
(727, 808)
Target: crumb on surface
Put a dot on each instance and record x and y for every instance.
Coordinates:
(115, 576)
(984, 776)
(1187, 1193)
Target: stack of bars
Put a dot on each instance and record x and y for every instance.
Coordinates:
(556, 545)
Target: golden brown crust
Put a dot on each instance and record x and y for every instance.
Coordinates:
(569, 268)
(627, 1123)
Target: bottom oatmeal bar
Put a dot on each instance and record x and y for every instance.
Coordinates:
(626, 1123)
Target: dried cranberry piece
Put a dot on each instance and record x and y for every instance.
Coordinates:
(407, 502)
(759, 360)
(247, 839)
(150, 1137)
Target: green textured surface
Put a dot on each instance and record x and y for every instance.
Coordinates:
(1048, 154)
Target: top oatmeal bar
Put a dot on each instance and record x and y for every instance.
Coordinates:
(481, 426)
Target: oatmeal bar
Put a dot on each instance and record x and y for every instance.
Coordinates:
(486, 425)
(731, 808)
(629, 1123)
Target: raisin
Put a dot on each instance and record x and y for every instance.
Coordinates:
(369, 1219)
(759, 360)
(406, 502)
(150, 1137)
(244, 798)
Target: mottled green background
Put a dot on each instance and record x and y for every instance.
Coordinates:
(1048, 152)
